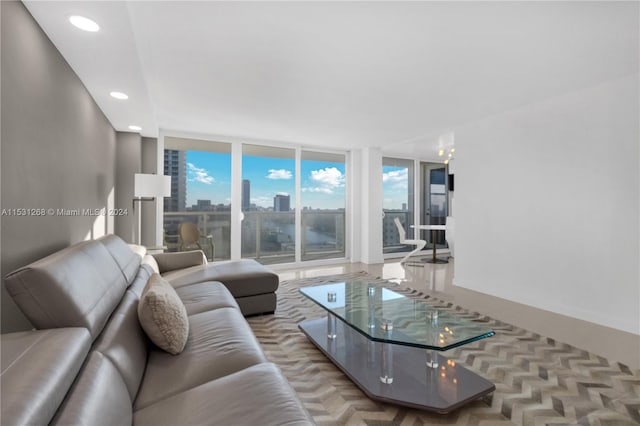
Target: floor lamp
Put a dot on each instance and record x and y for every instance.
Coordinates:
(147, 187)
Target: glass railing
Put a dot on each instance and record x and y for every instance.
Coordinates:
(217, 225)
(390, 234)
(268, 237)
(391, 237)
(324, 234)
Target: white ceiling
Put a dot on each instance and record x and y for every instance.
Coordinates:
(337, 74)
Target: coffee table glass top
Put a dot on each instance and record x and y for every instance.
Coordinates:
(386, 316)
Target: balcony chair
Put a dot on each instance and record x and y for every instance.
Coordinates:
(190, 237)
(420, 244)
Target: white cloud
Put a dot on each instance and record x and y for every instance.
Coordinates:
(279, 174)
(197, 174)
(330, 177)
(327, 180)
(396, 176)
(318, 189)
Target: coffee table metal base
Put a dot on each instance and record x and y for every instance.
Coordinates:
(397, 374)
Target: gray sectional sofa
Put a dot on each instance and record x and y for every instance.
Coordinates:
(90, 362)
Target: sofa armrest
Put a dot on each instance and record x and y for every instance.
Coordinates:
(180, 260)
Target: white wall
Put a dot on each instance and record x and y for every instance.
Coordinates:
(547, 205)
(370, 221)
(354, 205)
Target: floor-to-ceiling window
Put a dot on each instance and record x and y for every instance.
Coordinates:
(268, 202)
(397, 202)
(272, 228)
(322, 189)
(200, 194)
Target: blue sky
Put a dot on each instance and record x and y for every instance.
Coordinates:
(209, 178)
(395, 187)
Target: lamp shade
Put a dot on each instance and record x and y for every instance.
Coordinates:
(149, 185)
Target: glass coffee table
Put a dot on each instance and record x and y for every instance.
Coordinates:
(390, 345)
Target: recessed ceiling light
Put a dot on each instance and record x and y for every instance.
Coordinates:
(441, 153)
(119, 95)
(453, 150)
(83, 23)
(446, 161)
(135, 128)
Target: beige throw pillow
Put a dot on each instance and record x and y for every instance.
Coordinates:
(163, 316)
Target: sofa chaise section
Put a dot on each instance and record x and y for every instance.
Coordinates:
(250, 283)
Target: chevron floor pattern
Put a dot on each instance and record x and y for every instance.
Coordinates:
(538, 381)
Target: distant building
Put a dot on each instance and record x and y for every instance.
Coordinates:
(246, 195)
(202, 206)
(175, 165)
(281, 203)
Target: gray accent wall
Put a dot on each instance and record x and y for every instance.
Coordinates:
(128, 163)
(149, 165)
(58, 152)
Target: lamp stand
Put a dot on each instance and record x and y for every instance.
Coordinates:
(136, 233)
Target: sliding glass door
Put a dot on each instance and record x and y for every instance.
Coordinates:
(398, 202)
(268, 204)
(200, 194)
(323, 205)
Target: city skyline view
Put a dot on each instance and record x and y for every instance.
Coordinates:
(208, 177)
(202, 187)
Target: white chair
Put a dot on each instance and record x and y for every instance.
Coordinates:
(403, 240)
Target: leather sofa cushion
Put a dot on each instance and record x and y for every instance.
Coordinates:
(138, 249)
(38, 368)
(76, 287)
(141, 280)
(125, 257)
(124, 343)
(98, 397)
(242, 277)
(179, 260)
(202, 297)
(258, 395)
(258, 304)
(151, 261)
(163, 316)
(220, 342)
